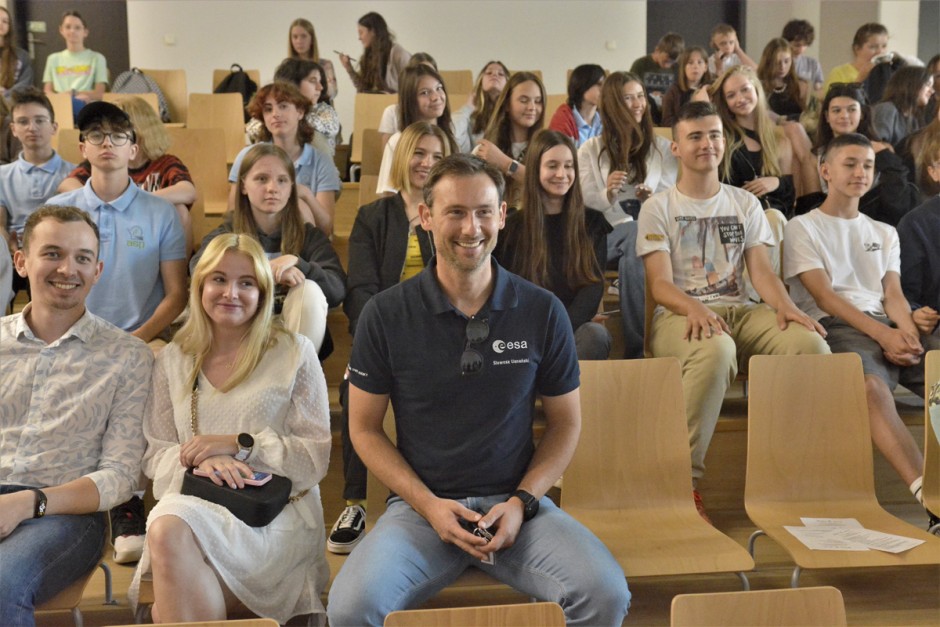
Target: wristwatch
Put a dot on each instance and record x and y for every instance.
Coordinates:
(530, 504)
(39, 510)
(512, 168)
(245, 444)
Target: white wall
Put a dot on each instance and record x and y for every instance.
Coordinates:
(765, 21)
(549, 35)
(901, 17)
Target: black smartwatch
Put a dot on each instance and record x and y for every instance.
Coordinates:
(530, 504)
(39, 509)
(245, 444)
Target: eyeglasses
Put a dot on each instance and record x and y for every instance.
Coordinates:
(39, 122)
(471, 361)
(96, 138)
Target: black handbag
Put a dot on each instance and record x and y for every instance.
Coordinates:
(256, 506)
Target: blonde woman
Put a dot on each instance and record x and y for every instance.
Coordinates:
(234, 394)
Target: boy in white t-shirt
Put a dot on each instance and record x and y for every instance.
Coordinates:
(696, 239)
(844, 269)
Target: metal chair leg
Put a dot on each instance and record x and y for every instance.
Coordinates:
(751, 540)
(745, 584)
(795, 577)
(108, 593)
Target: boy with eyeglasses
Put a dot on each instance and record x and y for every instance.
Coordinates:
(33, 178)
(143, 285)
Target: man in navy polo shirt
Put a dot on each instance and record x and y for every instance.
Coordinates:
(461, 351)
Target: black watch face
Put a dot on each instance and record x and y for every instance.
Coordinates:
(245, 440)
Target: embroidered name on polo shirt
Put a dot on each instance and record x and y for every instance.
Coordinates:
(871, 247)
(136, 237)
(500, 347)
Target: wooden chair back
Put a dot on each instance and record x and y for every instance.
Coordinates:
(808, 433)
(372, 150)
(62, 107)
(552, 102)
(173, 85)
(202, 151)
(520, 615)
(931, 486)
(457, 82)
(247, 622)
(149, 98)
(68, 145)
(368, 114)
(663, 131)
(368, 186)
(224, 111)
(219, 75)
(633, 450)
(808, 607)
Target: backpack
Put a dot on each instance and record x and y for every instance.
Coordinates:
(133, 81)
(238, 82)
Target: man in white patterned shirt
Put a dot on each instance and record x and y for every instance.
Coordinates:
(72, 394)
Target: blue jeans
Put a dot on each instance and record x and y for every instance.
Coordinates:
(44, 556)
(402, 563)
(632, 277)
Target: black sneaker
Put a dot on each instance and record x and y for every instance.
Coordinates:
(933, 523)
(347, 531)
(128, 526)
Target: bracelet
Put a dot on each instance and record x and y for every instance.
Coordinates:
(39, 509)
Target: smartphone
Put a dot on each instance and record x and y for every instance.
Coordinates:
(475, 530)
(258, 478)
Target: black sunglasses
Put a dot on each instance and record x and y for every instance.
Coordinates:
(471, 361)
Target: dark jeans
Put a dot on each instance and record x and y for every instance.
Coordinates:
(42, 557)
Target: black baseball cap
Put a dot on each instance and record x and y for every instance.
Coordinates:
(99, 112)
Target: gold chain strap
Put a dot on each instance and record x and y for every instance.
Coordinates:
(194, 421)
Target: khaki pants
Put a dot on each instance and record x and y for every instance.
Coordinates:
(709, 365)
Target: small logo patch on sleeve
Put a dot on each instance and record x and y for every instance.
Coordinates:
(655, 237)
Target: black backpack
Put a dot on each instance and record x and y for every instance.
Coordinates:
(238, 82)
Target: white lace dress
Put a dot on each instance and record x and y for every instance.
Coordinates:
(277, 571)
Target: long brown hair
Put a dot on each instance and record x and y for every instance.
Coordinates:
(314, 53)
(626, 141)
(8, 55)
(766, 68)
(482, 103)
(374, 59)
(734, 132)
(292, 224)
(408, 100)
(532, 252)
(499, 128)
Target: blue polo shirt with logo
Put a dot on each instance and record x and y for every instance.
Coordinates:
(24, 187)
(138, 232)
(464, 435)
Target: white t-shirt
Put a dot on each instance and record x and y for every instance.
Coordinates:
(856, 253)
(705, 239)
(389, 122)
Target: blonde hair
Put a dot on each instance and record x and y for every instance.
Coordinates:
(407, 144)
(195, 336)
(734, 132)
(152, 138)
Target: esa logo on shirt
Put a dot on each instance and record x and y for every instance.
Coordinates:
(499, 346)
(135, 238)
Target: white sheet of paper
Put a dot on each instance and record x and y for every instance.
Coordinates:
(822, 539)
(877, 540)
(832, 522)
